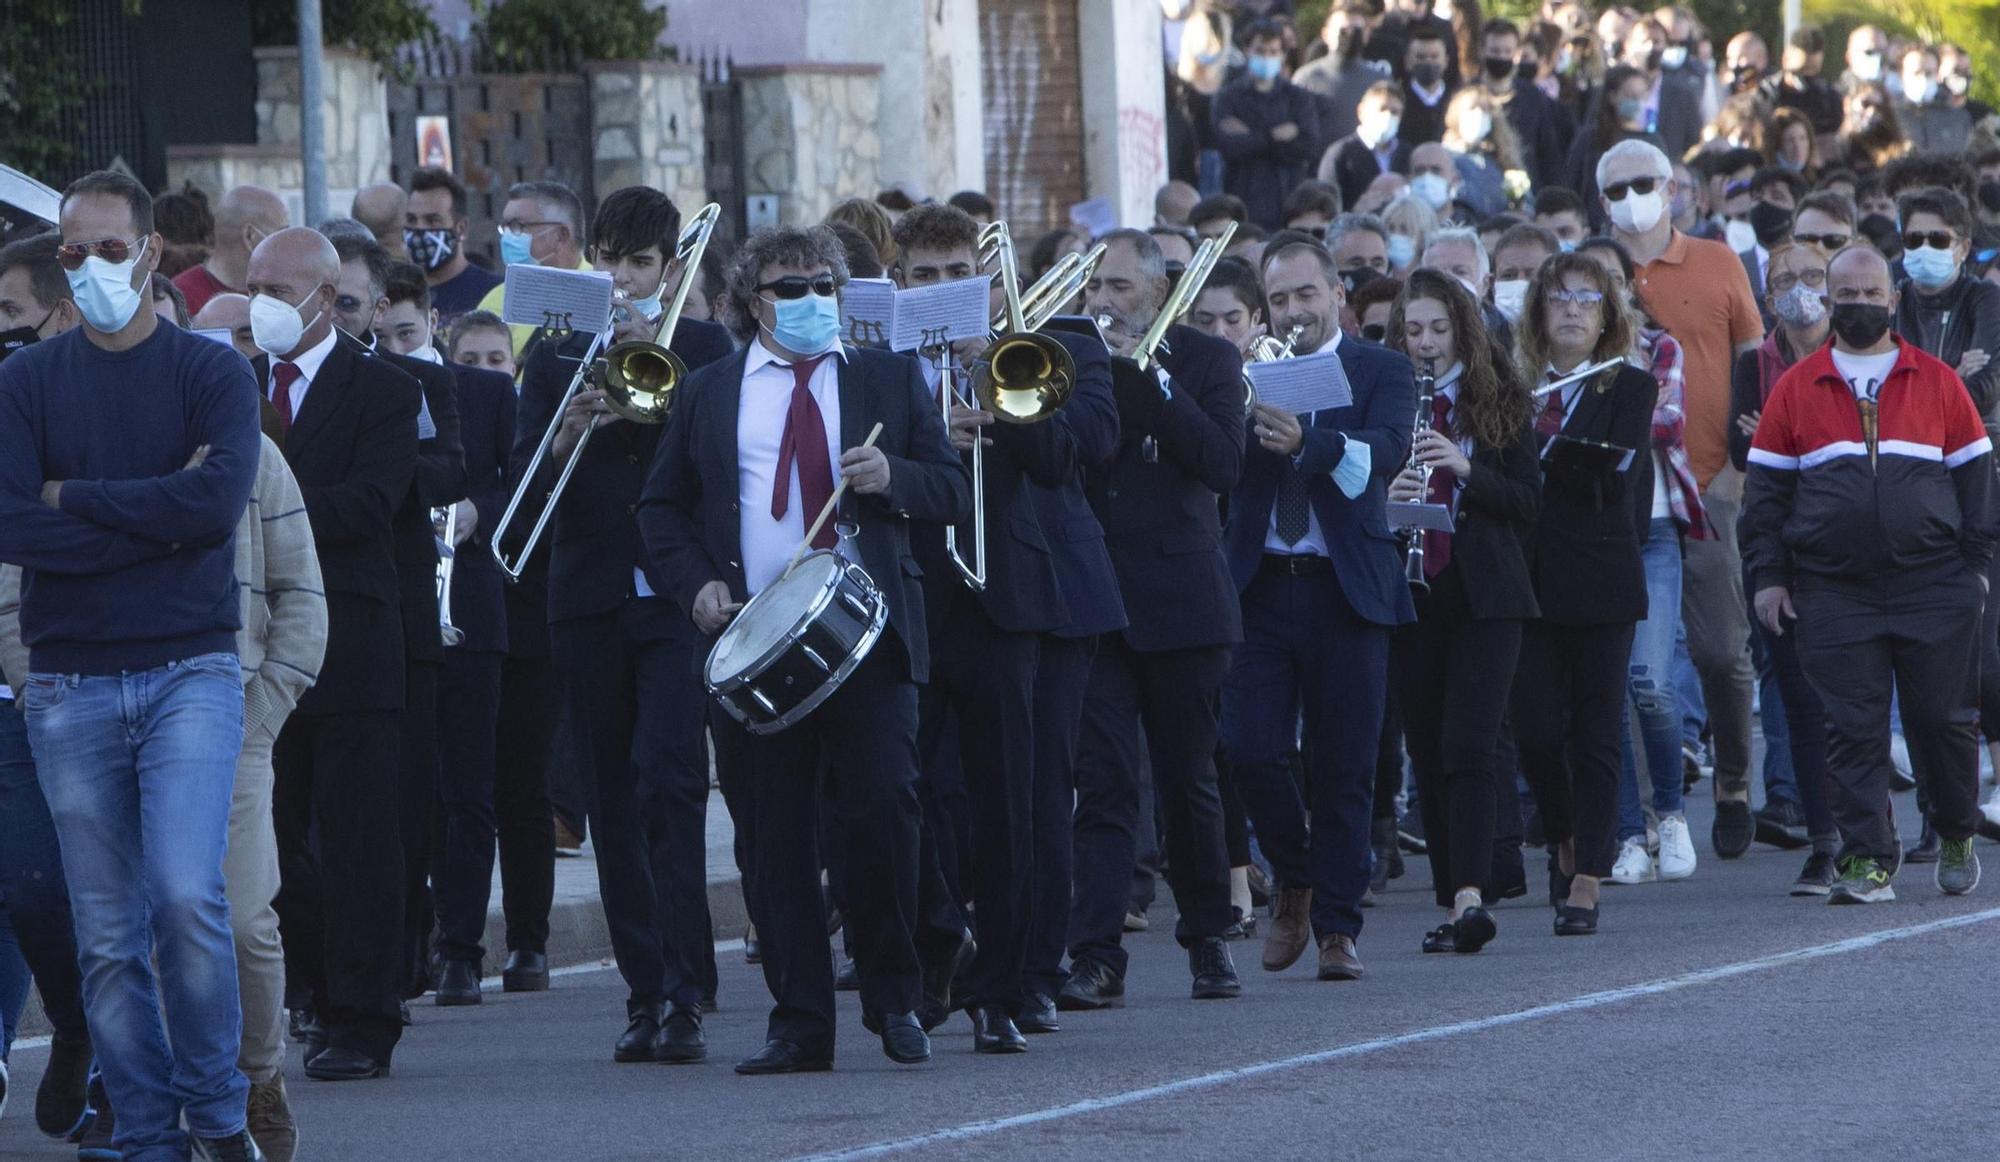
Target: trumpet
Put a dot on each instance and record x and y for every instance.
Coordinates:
(638, 378)
(1269, 349)
(1413, 561)
(444, 523)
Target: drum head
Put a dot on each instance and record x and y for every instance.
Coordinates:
(764, 623)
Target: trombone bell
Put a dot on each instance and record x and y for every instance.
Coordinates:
(638, 380)
(1024, 378)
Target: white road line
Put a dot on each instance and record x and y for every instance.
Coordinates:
(28, 1044)
(990, 1126)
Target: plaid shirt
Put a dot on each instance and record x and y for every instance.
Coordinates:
(1663, 359)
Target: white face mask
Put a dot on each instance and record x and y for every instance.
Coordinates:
(275, 325)
(1432, 189)
(1868, 66)
(1738, 234)
(1475, 125)
(1638, 213)
(1380, 127)
(1510, 298)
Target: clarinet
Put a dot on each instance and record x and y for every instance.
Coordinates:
(1413, 559)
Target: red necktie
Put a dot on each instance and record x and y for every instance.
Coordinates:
(1437, 545)
(285, 374)
(804, 445)
(1549, 421)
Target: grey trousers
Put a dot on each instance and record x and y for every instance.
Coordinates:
(250, 879)
(1718, 632)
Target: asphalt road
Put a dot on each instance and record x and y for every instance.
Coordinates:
(1712, 1018)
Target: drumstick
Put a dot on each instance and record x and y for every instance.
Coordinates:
(826, 510)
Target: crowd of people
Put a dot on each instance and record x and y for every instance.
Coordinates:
(1658, 408)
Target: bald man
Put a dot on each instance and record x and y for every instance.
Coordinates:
(351, 433)
(229, 312)
(1868, 523)
(380, 208)
(244, 217)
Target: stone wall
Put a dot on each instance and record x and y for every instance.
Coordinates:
(810, 136)
(647, 129)
(356, 120)
(217, 168)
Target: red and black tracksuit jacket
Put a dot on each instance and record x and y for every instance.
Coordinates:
(1825, 503)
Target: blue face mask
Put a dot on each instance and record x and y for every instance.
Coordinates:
(1930, 267)
(517, 249)
(104, 292)
(809, 325)
(1264, 68)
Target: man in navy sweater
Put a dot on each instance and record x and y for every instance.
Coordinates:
(127, 454)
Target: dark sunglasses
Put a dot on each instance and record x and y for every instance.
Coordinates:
(1823, 241)
(112, 250)
(1616, 191)
(1942, 239)
(797, 286)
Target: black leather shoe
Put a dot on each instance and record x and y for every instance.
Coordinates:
(904, 1040)
(1473, 929)
(1558, 882)
(1443, 938)
(458, 983)
(637, 1043)
(847, 978)
(526, 972)
(62, 1099)
(784, 1057)
(1214, 973)
(1037, 1015)
(1091, 986)
(337, 1063)
(1732, 830)
(753, 948)
(680, 1039)
(1576, 921)
(938, 973)
(993, 1031)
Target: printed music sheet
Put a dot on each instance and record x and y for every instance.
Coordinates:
(867, 311)
(1408, 514)
(1308, 383)
(545, 296)
(874, 313)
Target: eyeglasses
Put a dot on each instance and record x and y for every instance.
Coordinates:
(1823, 241)
(1780, 283)
(797, 286)
(1616, 191)
(1942, 239)
(111, 250)
(1575, 298)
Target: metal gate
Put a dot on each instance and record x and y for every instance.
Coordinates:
(722, 144)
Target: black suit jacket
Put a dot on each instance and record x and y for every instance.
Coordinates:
(1584, 553)
(1076, 539)
(1496, 515)
(1159, 512)
(690, 518)
(438, 480)
(1355, 167)
(486, 426)
(353, 449)
(595, 538)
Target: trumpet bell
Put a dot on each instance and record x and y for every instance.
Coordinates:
(638, 380)
(1024, 378)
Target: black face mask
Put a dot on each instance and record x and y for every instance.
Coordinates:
(1499, 68)
(1427, 74)
(1989, 196)
(1860, 325)
(1374, 332)
(1352, 279)
(1770, 223)
(19, 337)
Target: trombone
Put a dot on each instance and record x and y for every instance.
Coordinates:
(638, 378)
(1185, 292)
(444, 523)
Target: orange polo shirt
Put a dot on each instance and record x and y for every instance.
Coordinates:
(1699, 292)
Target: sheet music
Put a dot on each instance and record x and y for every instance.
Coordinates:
(1308, 383)
(578, 299)
(929, 316)
(1404, 514)
(867, 311)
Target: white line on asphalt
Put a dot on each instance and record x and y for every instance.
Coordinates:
(28, 1044)
(1597, 1000)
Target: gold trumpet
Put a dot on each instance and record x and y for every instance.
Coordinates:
(638, 378)
(1269, 349)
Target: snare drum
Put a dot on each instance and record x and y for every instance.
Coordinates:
(793, 644)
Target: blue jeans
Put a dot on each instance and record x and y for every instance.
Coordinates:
(138, 771)
(37, 936)
(1687, 688)
(1653, 692)
(1781, 783)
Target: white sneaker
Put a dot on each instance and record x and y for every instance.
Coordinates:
(1634, 866)
(1676, 849)
(1991, 808)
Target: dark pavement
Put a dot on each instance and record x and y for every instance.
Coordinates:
(1712, 1018)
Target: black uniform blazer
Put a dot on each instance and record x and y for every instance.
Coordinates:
(486, 425)
(594, 539)
(439, 480)
(353, 449)
(1160, 516)
(1584, 553)
(1497, 504)
(691, 521)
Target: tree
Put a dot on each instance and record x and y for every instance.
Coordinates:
(1973, 25)
(525, 35)
(373, 28)
(41, 86)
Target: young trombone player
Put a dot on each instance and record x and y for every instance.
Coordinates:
(1181, 446)
(1474, 455)
(624, 655)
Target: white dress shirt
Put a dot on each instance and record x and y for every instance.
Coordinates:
(308, 363)
(1351, 475)
(768, 544)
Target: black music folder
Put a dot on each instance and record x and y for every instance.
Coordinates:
(1585, 457)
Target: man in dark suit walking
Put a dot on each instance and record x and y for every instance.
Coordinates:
(1181, 424)
(350, 436)
(748, 460)
(1322, 584)
(624, 655)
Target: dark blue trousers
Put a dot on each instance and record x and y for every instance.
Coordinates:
(34, 896)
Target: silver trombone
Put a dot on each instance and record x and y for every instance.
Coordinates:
(638, 378)
(444, 522)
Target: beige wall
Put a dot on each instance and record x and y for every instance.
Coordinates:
(810, 136)
(647, 123)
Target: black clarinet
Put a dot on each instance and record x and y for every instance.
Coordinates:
(1413, 558)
